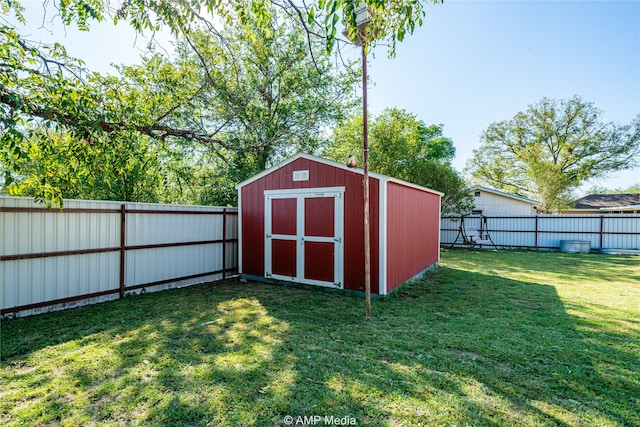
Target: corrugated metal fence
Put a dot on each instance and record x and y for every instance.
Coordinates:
(95, 251)
(620, 231)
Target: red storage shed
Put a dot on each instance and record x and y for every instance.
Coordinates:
(302, 221)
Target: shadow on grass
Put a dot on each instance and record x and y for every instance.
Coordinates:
(455, 348)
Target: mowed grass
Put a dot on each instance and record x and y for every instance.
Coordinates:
(488, 338)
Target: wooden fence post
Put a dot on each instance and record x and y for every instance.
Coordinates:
(123, 232)
(224, 243)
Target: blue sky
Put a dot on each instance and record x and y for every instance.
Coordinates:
(470, 64)
(476, 62)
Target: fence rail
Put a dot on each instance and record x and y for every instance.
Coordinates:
(616, 231)
(95, 251)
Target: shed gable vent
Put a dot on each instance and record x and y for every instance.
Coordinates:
(301, 175)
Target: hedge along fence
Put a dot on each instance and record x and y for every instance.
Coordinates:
(614, 231)
(96, 251)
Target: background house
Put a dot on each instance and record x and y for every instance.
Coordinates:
(606, 204)
(489, 201)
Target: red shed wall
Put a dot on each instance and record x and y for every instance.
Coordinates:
(320, 175)
(413, 230)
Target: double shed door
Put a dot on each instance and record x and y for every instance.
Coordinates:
(304, 233)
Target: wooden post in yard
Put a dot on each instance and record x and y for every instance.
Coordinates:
(123, 232)
(224, 243)
(367, 234)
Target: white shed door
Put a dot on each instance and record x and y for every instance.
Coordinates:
(304, 231)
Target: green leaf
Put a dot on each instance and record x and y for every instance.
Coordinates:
(311, 16)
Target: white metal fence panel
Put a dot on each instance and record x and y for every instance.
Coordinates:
(620, 231)
(27, 278)
(614, 231)
(507, 231)
(41, 230)
(553, 228)
(198, 232)
(73, 257)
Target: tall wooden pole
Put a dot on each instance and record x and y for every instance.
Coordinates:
(123, 235)
(367, 235)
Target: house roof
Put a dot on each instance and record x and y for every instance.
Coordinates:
(503, 194)
(382, 178)
(604, 201)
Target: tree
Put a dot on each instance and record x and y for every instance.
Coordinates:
(36, 80)
(552, 148)
(42, 86)
(42, 82)
(632, 189)
(404, 147)
(222, 109)
(274, 98)
(392, 19)
(254, 102)
(56, 165)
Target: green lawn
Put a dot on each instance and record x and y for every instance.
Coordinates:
(488, 338)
